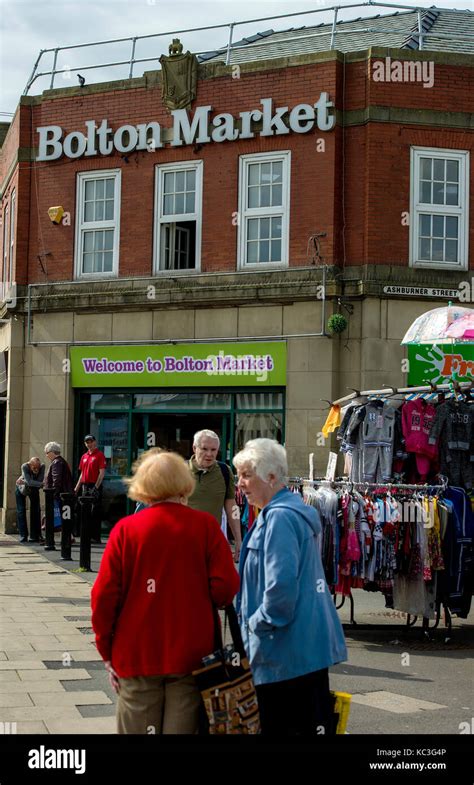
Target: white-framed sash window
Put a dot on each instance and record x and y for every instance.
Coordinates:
(98, 224)
(264, 210)
(439, 208)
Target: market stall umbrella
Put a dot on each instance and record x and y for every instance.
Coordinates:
(462, 329)
(432, 326)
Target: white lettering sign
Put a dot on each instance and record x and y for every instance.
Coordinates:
(200, 129)
(421, 291)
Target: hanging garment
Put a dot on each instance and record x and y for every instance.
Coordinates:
(376, 442)
(453, 426)
(333, 420)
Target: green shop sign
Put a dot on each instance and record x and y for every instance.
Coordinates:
(185, 365)
(438, 364)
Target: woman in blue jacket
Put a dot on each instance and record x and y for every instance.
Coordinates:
(290, 627)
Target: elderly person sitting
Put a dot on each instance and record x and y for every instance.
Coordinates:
(162, 571)
(28, 485)
(290, 628)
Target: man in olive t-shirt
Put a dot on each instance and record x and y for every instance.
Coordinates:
(215, 487)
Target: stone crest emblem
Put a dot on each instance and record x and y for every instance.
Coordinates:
(179, 73)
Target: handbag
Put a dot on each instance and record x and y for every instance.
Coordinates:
(58, 521)
(226, 684)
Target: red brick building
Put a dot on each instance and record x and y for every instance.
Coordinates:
(295, 161)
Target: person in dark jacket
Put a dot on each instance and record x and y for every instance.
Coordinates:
(28, 485)
(59, 474)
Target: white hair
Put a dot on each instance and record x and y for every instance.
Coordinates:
(205, 434)
(53, 447)
(265, 457)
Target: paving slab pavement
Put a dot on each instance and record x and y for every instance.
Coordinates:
(402, 680)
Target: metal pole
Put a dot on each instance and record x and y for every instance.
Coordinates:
(32, 77)
(333, 31)
(54, 69)
(132, 57)
(229, 45)
(85, 503)
(67, 509)
(49, 515)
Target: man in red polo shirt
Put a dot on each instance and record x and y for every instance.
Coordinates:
(92, 470)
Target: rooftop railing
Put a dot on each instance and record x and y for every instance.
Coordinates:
(331, 30)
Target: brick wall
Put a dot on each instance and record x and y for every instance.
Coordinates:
(354, 191)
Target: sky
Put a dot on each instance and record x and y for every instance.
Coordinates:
(27, 26)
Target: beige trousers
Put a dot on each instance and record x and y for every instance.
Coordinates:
(158, 704)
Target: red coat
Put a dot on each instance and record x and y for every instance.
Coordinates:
(152, 600)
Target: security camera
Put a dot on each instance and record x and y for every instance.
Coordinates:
(56, 214)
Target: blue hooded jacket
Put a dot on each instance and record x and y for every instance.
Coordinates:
(289, 624)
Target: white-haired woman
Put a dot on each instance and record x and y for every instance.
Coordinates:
(290, 627)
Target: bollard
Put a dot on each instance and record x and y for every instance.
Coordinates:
(85, 503)
(49, 515)
(68, 501)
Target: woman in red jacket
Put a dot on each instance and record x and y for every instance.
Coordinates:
(162, 571)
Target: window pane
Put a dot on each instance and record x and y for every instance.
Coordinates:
(265, 196)
(425, 192)
(276, 227)
(179, 181)
(425, 249)
(89, 211)
(264, 228)
(264, 251)
(191, 180)
(109, 240)
(87, 263)
(438, 193)
(109, 210)
(109, 189)
(254, 426)
(97, 263)
(451, 251)
(452, 171)
(255, 400)
(179, 203)
(425, 225)
(253, 196)
(439, 166)
(266, 173)
(99, 189)
(190, 202)
(99, 241)
(109, 401)
(99, 211)
(169, 182)
(437, 250)
(276, 196)
(277, 172)
(254, 174)
(451, 226)
(182, 401)
(425, 168)
(168, 205)
(252, 252)
(252, 228)
(452, 194)
(108, 262)
(88, 241)
(276, 250)
(438, 225)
